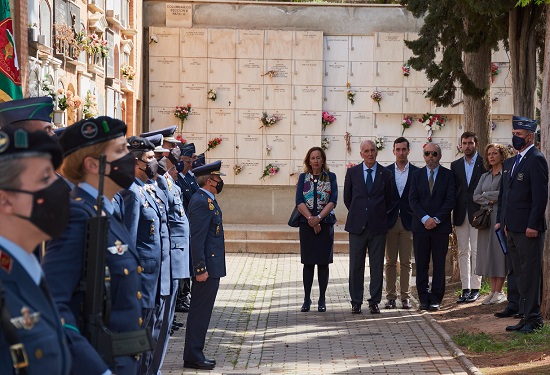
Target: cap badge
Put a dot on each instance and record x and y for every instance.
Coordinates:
(89, 130)
(4, 141)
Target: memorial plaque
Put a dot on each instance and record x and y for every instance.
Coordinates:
(282, 126)
(249, 146)
(276, 146)
(250, 173)
(249, 96)
(503, 128)
(504, 77)
(339, 126)
(307, 97)
(388, 73)
(194, 42)
(164, 41)
(195, 122)
(336, 147)
(361, 123)
(225, 150)
(308, 45)
(250, 71)
(448, 150)
(161, 117)
(199, 139)
(389, 47)
(164, 69)
(336, 48)
(250, 44)
(416, 79)
(179, 15)
(415, 100)
(301, 145)
(278, 44)
(308, 72)
(503, 105)
(221, 70)
(336, 98)
(335, 73)
(196, 94)
(248, 121)
(361, 73)
(277, 72)
(306, 123)
(222, 43)
(227, 168)
(282, 177)
(194, 69)
(389, 125)
(339, 168)
(278, 96)
(221, 120)
(164, 94)
(225, 96)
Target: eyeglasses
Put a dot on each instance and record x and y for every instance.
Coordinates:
(433, 153)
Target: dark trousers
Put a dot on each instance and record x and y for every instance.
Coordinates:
(164, 330)
(432, 246)
(358, 245)
(512, 286)
(147, 357)
(204, 294)
(526, 255)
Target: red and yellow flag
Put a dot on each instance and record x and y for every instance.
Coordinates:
(10, 77)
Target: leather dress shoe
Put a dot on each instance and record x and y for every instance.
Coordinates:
(177, 324)
(464, 296)
(373, 307)
(518, 315)
(531, 327)
(199, 365)
(355, 308)
(474, 296)
(406, 304)
(508, 312)
(434, 307)
(210, 360)
(305, 306)
(182, 308)
(517, 327)
(174, 328)
(423, 306)
(390, 304)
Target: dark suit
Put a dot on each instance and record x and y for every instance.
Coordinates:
(431, 243)
(367, 226)
(207, 255)
(521, 205)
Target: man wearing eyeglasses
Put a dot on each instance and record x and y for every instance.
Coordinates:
(432, 198)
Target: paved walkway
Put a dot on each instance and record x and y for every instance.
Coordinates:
(257, 328)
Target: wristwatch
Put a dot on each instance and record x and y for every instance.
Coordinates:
(319, 216)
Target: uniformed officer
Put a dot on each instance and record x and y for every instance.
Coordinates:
(83, 143)
(208, 260)
(168, 140)
(34, 207)
(31, 114)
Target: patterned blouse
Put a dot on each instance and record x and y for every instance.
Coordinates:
(316, 193)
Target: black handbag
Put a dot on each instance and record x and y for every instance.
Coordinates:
(482, 218)
(294, 220)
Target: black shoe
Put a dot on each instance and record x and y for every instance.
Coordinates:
(373, 307)
(474, 296)
(171, 332)
(406, 304)
(531, 327)
(518, 315)
(210, 360)
(434, 307)
(174, 328)
(356, 308)
(517, 327)
(199, 365)
(321, 306)
(423, 306)
(464, 296)
(508, 312)
(177, 324)
(306, 306)
(390, 304)
(182, 308)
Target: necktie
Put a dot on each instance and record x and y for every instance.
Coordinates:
(431, 180)
(369, 181)
(518, 159)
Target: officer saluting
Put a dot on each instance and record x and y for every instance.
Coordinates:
(34, 207)
(208, 262)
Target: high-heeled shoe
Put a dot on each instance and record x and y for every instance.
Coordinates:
(306, 306)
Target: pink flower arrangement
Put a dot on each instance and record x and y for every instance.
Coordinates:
(327, 119)
(269, 170)
(407, 122)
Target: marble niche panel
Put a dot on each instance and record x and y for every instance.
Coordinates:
(164, 69)
(225, 150)
(336, 73)
(281, 72)
(416, 147)
(225, 96)
(504, 104)
(195, 93)
(194, 69)
(501, 55)
(387, 73)
(389, 47)
(448, 150)
(278, 44)
(504, 77)
(194, 42)
(361, 73)
(160, 117)
(164, 39)
(337, 147)
(221, 120)
(306, 122)
(196, 121)
(385, 156)
(339, 168)
(301, 144)
(336, 48)
(457, 108)
(278, 96)
(416, 79)
(250, 71)
(335, 98)
(163, 94)
(251, 172)
(249, 146)
(221, 70)
(339, 126)
(250, 44)
(415, 100)
(276, 147)
(361, 48)
(199, 139)
(227, 168)
(282, 177)
(248, 121)
(249, 96)
(308, 45)
(282, 126)
(363, 102)
(222, 43)
(389, 125)
(308, 72)
(503, 128)
(407, 53)
(360, 123)
(307, 98)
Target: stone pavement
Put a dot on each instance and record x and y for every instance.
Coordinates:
(257, 327)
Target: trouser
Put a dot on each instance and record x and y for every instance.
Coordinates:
(184, 292)
(435, 246)
(466, 237)
(147, 357)
(398, 242)
(164, 331)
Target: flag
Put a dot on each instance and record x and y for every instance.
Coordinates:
(10, 77)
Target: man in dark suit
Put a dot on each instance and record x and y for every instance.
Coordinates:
(208, 260)
(467, 171)
(521, 206)
(367, 196)
(399, 238)
(432, 198)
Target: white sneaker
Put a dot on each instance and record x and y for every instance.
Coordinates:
(487, 301)
(498, 297)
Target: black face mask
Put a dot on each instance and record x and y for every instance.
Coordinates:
(122, 171)
(518, 142)
(54, 137)
(219, 186)
(151, 168)
(162, 166)
(50, 208)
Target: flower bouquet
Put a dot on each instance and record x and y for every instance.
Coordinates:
(379, 142)
(269, 170)
(212, 95)
(432, 122)
(128, 72)
(495, 70)
(327, 119)
(268, 121)
(377, 97)
(68, 100)
(350, 93)
(48, 88)
(89, 108)
(182, 113)
(237, 168)
(407, 122)
(212, 144)
(406, 68)
(325, 143)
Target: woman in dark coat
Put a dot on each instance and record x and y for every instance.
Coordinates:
(316, 196)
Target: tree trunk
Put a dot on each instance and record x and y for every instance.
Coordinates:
(523, 54)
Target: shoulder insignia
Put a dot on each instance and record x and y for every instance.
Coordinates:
(119, 248)
(26, 320)
(210, 204)
(5, 262)
(78, 199)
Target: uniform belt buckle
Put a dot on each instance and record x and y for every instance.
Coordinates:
(19, 356)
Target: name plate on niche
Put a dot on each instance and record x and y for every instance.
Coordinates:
(249, 146)
(194, 43)
(250, 43)
(249, 71)
(179, 15)
(164, 69)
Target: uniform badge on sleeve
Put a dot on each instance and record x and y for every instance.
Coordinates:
(26, 320)
(119, 248)
(210, 204)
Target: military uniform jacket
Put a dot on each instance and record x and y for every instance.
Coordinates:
(141, 216)
(207, 240)
(188, 185)
(179, 228)
(63, 265)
